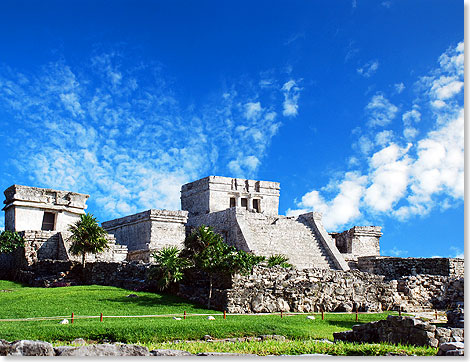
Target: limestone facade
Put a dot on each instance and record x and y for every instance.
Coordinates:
(244, 212)
(43, 216)
(148, 231)
(217, 193)
(34, 208)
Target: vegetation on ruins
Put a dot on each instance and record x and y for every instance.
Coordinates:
(279, 259)
(170, 266)
(10, 240)
(87, 237)
(211, 254)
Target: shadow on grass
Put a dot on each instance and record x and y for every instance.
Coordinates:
(166, 300)
(345, 324)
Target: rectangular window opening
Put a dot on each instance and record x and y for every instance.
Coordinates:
(245, 203)
(48, 221)
(232, 202)
(256, 205)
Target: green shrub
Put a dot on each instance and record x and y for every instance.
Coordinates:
(10, 240)
(280, 260)
(170, 266)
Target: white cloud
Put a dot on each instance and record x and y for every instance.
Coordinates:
(389, 178)
(446, 87)
(368, 69)
(380, 111)
(243, 165)
(439, 168)
(384, 138)
(291, 98)
(396, 252)
(364, 144)
(411, 117)
(457, 252)
(118, 133)
(399, 87)
(410, 133)
(341, 209)
(403, 179)
(253, 110)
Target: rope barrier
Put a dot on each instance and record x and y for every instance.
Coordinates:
(185, 315)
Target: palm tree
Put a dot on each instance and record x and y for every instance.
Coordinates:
(211, 254)
(87, 237)
(170, 266)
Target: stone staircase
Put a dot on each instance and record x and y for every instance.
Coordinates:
(288, 236)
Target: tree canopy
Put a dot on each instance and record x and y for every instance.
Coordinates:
(87, 237)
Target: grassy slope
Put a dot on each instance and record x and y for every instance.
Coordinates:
(17, 301)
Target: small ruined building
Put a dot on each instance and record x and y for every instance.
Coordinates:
(245, 212)
(43, 217)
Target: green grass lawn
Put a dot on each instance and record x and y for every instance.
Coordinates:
(18, 301)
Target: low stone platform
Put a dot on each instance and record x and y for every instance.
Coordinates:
(401, 329)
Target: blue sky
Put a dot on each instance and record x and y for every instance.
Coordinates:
(355, 107)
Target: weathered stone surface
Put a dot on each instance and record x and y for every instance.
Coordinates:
(312, 290)
(149, 230)
(4, 347)
(30, 348)
(225, 354)
(396, 329)
(25, 207)
(214, 193)
(394, 267)
(169, 352)
(359, 241)
(103, 350)
(78, 341)
(455, 317)
(451, 349)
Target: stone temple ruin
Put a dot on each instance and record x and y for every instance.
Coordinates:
(334, 271)
(245, 212)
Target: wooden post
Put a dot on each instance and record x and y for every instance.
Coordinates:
(357, 316)
(184, 315)
(322, 315)
(101, 317)
(225, 314)
(281, 313)
(72, 318)
(435, 311)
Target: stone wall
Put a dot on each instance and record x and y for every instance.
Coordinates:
(266, 289)
(52, 245)
(311, 290)
(359, 240)
(53, 273)
(149, 230)
(401, 329)
(394, 268)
